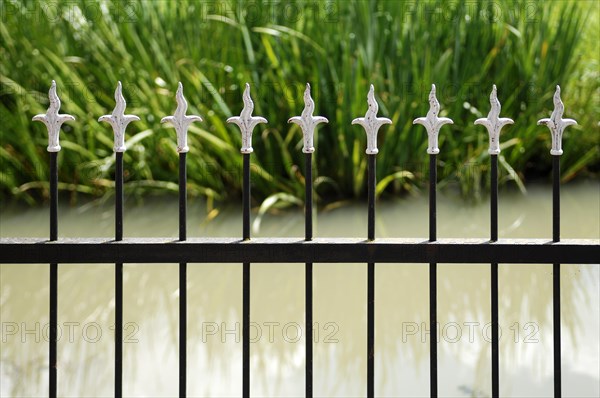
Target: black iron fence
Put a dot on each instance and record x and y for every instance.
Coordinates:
(308, 250)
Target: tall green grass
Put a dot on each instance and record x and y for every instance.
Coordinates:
(340, 47)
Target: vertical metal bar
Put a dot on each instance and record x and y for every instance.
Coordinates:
(182, 277)
(309, 329)
(371, 281)
(118, 329)
(371, 196)
(556, 198)
(433, 373)
(495, 340)
(432, 198)
(182, 329)
(246, 330)
(556, 323)
(53, 276)
(494, 278)
(308, 185)
(246, 197)
(53, 328)
(494, 198)
(371, 330)
(119, 277)
(119, 196)
(182, 196)
(53, 196)
(246, 282)
(308, 277)
(556, 275)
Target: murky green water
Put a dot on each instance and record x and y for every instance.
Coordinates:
(86, 308)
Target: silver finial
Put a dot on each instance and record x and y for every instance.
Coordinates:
(307, 121)
(557, 124)
(433, 123)
(181, 121)
(371, 122)
(52, 119)
(494, 123)
(246, 122)
(118, 120)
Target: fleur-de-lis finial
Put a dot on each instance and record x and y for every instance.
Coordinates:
(371, 122)
(307, 121)
(246, 122)
(494, 123)
(557, 124)
(181, 121)
(118, 120)
(52, 119)
(433, 123)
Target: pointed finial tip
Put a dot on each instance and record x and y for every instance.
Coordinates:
(119, 83)
(246, 122)
(308, 86)
(179, 85)
(557, 124)
(52, 119)
(432, 87)
(370, 122)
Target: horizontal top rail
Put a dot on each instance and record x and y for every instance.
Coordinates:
(298, 250)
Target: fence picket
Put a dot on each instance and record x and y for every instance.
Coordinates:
(557, 125)
(181, 123)
(432, 124)
(308, 123)
(371, 123)
(246, 122)
(53, 121)
(119, 121)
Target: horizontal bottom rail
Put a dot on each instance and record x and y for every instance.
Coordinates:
(297, 250)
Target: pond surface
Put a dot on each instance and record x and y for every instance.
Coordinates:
(86, 307)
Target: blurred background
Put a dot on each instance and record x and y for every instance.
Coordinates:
(526, 48)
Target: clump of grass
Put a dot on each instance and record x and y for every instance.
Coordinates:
(340, 47)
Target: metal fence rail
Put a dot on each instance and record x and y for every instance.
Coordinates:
(296, 250)
(308, 250)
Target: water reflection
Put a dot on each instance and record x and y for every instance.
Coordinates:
(214, 297)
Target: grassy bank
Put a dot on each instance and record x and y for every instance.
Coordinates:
(213, 48)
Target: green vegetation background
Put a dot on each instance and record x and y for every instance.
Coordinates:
(340, 47)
